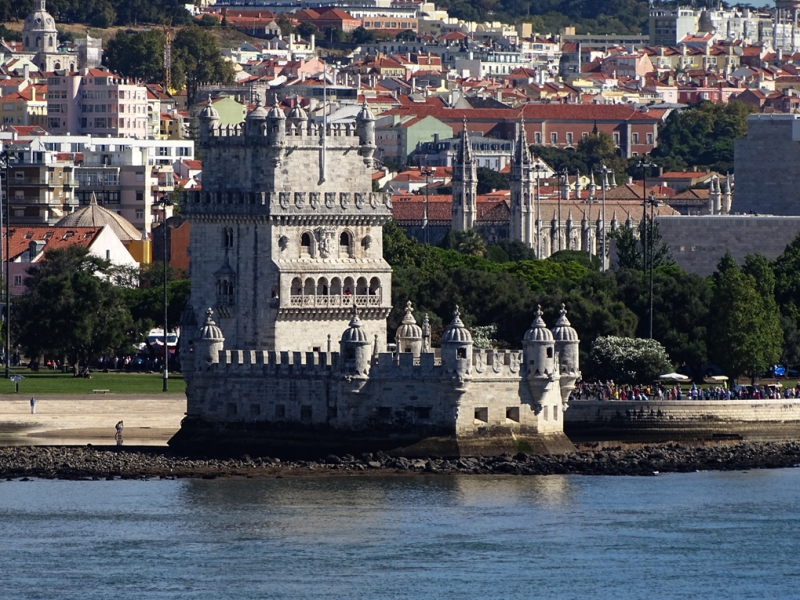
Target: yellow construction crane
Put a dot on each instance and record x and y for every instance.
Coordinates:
(168, 58)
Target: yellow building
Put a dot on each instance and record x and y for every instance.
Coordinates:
(26, 107)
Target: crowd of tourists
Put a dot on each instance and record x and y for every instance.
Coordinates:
(610, 391)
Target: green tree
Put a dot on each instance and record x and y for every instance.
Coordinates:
(307, 29)
(628, 360)
(137, 55)
(284, 24)
(70, 309)
(787, 295)
(489, 180)
(702, 136)
(362, 36)
(335, 35)
(196, 60)
(745, 334)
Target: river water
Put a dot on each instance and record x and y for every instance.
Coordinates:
(698, 535)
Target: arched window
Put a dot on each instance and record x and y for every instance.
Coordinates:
(50, 41)
(57, 66)
(336, 287)
(227, 237)
(305, 240)
(38, 42)
(349, 287)
(345, 244)
(322, 287)
(375, 287)
(361, 287)
(344, 239)
(297, 286)
(308, 288)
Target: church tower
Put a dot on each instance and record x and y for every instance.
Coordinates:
(286, 236)
(40, 38)
(465, 185)
(522, 190)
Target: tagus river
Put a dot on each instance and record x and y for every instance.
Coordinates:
(700, 535)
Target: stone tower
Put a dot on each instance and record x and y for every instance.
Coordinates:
(465, 185)
(286, 232)
(456, 349)
(409, 334)
(522, 191)
(567, 346)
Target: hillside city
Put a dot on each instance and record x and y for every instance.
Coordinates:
(654, 159)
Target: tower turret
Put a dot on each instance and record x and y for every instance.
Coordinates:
(538, 349)
(208, 343)
(728, 198)
(456, 348)
(409, 334)
(276, 124)
(365, 128)
(298, 119)
(714, 197)
(255, 120)
(567, 347)
(354, 348)
(209, 119)
(465, 185)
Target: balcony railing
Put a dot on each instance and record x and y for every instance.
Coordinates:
(334, 301)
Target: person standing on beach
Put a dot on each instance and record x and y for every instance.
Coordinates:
(33, 405)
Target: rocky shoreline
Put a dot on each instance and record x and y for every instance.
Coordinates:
(82, 463)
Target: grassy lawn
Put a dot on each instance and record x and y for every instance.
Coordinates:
(55, 382)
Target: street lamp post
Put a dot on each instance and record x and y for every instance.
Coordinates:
(164, 203)
(653, 203)
(427, 172)
(644, 165)
(605, 172)
(6, 157)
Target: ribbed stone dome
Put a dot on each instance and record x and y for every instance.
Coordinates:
(276, 112)
(456, 333)
(39, 24)
(259, 113)
(365, 114)
(354, 334)
(408, 328)
(209, 329)
(298, 113)
(97, 216)
(563, 331)
(209, 112)
(538, 331)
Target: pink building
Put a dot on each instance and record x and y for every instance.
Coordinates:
(627, 65)
(96, 102)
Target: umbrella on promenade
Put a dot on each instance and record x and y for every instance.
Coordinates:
(673, 377)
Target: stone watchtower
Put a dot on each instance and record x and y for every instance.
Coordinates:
(456, 349)
(286, 231)
(567, 346)
(538, 348)
(465, 185)
(522, 191)
(409, 334)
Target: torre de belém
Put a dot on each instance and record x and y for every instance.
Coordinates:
(284, 345)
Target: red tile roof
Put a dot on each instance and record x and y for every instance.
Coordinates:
(20, 236)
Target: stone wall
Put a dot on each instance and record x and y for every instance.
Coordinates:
(698, 242)
(659, 421)
(767, 179)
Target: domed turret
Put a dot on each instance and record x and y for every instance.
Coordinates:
(538, 347)
(567, 349)
(365, 128)
(209, 118)
(276, 123)
(256, 118)
(208, 342)
(298, 118)
(456, 348)
(409, 334)
(354, 348)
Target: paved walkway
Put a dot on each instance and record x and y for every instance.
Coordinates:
(83, 419)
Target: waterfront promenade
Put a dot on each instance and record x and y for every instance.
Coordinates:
(77, 419)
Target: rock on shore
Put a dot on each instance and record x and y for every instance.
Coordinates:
(90, 463)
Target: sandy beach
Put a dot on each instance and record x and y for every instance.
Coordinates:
(90, 419)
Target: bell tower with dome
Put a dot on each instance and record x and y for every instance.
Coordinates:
(40, 39)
